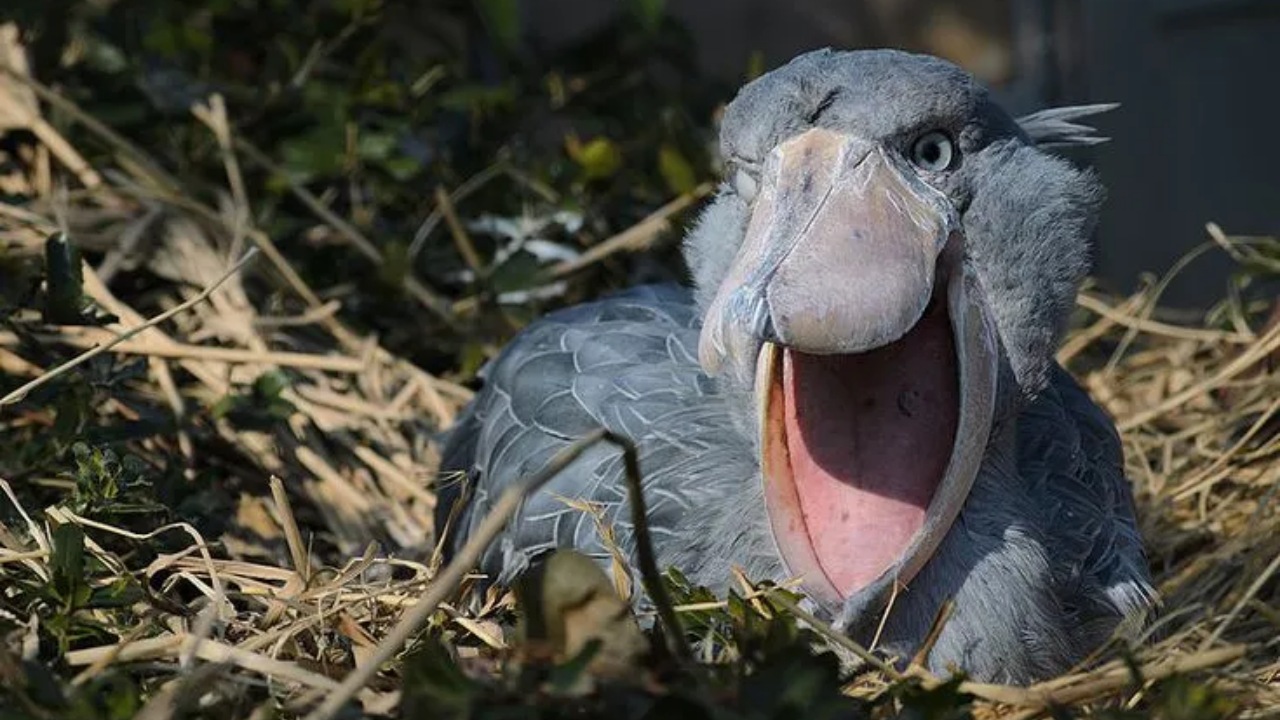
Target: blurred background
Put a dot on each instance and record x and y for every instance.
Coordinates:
(421, 179)
(434, 91)
(436, 174)
(1189, 74)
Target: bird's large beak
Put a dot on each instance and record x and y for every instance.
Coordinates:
(873, 357)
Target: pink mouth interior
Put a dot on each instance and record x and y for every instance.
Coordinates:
(866, 441)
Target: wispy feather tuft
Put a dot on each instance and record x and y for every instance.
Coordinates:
(1058, 127)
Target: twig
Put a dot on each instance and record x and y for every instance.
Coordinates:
(447, 581)
(86, 338)
(84, 357)
(427, 297)
(636, 237)
(1205, 477)
(95, 126)
(649, 574)
(1265, 345)
(461, 239)
(107, 659)
(1037, 698)
(178, 694)
(838, 638)
(127, 245)
(214, 116)
(218, 594)
(293, 537)
(1254, 588)
(935, 631)
(1151, 301)
(1086, 337)
(15, 112)
(164, 187)
(1098, 306)
(8, 556)
(309, 317)
(884, 616)
(209, 651)
(474, 183)
(36, 532)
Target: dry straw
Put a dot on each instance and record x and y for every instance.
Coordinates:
(1196, 406)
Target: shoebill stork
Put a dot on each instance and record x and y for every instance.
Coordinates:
(859, 390)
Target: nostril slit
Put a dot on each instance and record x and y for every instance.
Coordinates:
(766, 331)
(749, 306)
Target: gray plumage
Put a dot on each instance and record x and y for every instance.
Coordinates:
(1044, 561)
(1057, 127)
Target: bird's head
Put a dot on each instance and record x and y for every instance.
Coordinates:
(887, 272)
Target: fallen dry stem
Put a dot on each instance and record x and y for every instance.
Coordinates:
(672, 628)
(1265, 345)
(1196, 406)
(1039, 698)
(637, 237)
(461, 240)
(88, 355)
(94, 126)
(96, 337)
(428, 298)
(446, 582)
(472, 184)
(837, 638)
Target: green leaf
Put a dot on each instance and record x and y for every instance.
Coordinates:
(470, 359)
(503, 19)
(402, 167)
(755, 65)
(648, 12)
(567, 676)
(676, 171)
(64, 298)
(598, 158)
(943, 702)
(41, 685)
(71, 411)
(1181, 698)
(395, 263)
(479, 98)
(110, 696)
(375, 146)
(315, 154)
(223, 406)
(520, 272)
(67, 564)
(119, 594)
(270, 384)
(434, 686)
(261, 407)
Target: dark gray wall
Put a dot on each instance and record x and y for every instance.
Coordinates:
(1196, 139)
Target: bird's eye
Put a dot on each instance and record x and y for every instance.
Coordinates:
(933, 151)
(744, 184)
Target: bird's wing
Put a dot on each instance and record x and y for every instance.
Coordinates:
(626, 363)
(1070, 454)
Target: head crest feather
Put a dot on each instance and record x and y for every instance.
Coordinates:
(1060, 126)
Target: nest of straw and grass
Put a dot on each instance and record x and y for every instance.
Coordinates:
(218, 493)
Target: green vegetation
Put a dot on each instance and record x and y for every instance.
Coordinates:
(223, 515)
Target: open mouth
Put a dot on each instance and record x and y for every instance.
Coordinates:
(873, 358)
(868, 456)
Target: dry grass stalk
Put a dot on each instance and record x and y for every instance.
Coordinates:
(634, 238)
(446, 582)
(353, 458)
(88, 355)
